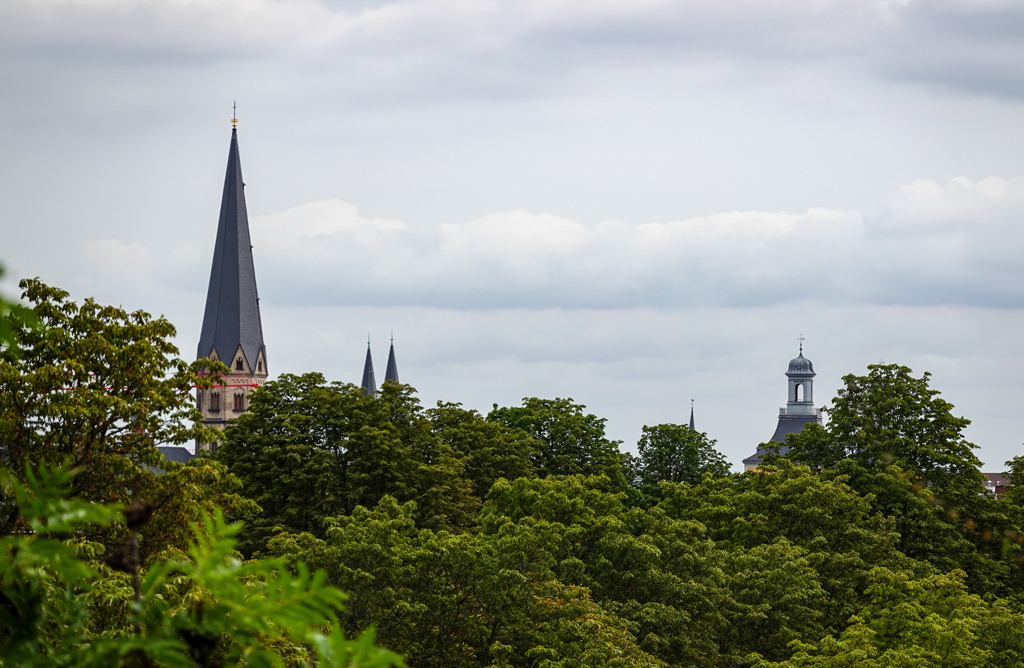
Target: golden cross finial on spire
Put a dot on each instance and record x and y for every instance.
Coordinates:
(801, 340)
(234, 114)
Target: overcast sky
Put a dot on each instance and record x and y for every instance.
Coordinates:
(628, 202)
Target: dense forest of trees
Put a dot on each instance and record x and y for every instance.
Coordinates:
(523, 537)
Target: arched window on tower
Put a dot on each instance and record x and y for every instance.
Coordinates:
(797, 391)
(214, 402)
(238, 364)
(239, 402)
(259, 366)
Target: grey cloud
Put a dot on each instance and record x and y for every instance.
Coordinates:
(482, 48)
(934, 244)
(972, 47)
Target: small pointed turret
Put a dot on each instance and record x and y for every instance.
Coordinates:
(691, 415)
(391, 373)
(369, 385)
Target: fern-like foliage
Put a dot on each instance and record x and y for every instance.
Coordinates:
(211, 609)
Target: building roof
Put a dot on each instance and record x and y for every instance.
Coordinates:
(800, 366)
(391, 373)
(792, 424)
(175, 453)
(996, 480)
(232, 316)
(756, 458)
(369, 385)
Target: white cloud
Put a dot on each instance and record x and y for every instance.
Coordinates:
(935, 243)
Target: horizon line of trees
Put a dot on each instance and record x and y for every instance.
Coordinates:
(523, 537)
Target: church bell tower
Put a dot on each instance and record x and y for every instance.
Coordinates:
(232, 330)
(799, 410)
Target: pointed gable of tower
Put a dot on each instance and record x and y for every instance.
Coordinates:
(391, 373)
(369, 385)
(232, 316)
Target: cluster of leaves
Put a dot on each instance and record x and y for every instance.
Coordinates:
(895, 441)
(100, 388)
(86, 394)
(308, 449)
(206, 609)
(302, 433)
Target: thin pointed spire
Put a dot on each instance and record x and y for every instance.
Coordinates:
(391, 374)
(369, 385)
(691, 415)
(232, 316)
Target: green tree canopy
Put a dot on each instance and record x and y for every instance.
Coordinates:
(890, 417)
(101, 388)
(675, 453)
(308, 449)
(489, 450)
(893, 439)
(58, 607)
(572, 442)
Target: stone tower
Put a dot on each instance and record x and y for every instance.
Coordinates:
(799, 410)
(232, 330)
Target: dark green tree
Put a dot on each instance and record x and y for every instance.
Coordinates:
(929, 621)
(833, 529)
(675, 453)
(204, 608)
(572, 442)
(890, 417)
(99, 388)
(489, 450)
(893, 439)
(308, 449)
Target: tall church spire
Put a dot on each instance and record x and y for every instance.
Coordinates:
(691, 415)
(232, 330)
(232, 318)
(369, 385)
(391, 374)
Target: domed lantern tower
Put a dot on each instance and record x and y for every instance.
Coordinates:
(799, 410)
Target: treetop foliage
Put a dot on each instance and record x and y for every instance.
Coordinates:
(523, 538)
(890, 417)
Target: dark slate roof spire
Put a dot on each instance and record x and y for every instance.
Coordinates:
(391, 374)
(369, 385)
(232, 316)
(691, 415)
